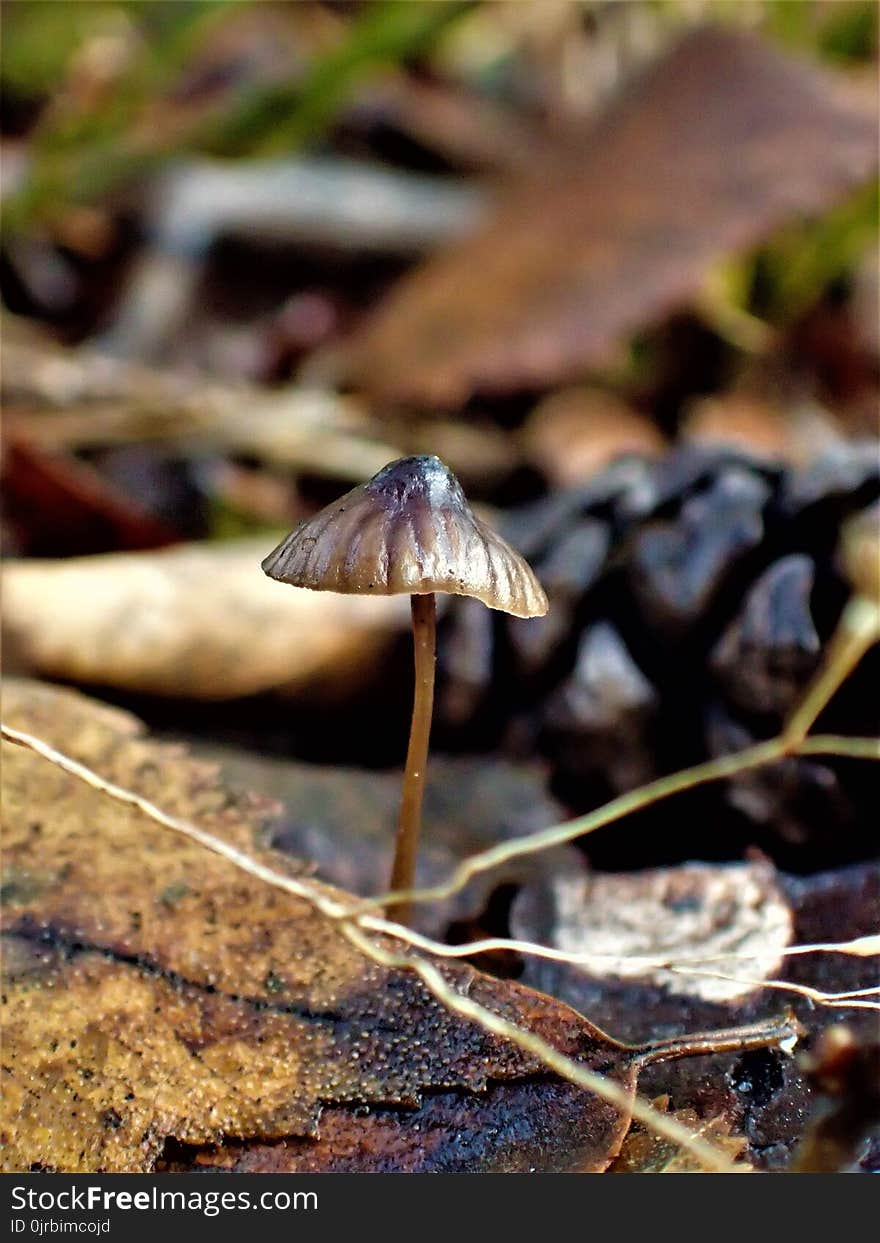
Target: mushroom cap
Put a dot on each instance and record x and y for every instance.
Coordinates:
(408, 530)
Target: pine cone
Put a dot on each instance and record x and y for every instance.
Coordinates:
(691, 600)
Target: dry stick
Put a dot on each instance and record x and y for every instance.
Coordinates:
(783, 1032)
(713, 770)
(403, 873)
(346, 915)
(857, 631)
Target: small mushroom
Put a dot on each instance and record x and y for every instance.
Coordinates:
(409, 530)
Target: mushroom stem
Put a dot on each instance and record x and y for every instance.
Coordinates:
(403, 873)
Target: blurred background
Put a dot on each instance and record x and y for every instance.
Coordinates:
(616, 263)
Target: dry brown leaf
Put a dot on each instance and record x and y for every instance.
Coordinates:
(723, 141)
(199, 621)
(759, 426)
(161, 1006)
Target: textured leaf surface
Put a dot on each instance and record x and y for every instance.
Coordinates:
(162, 1007)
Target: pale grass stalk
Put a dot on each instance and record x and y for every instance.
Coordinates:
(857, 631)
(850, 1001)
(861, 947)
(634, 800)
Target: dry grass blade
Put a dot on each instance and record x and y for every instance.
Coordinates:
(850, 1000)
(862, 947)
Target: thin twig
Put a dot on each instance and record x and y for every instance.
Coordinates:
(857, 631)
(862, 947)
(850, 1000)
(634, 800)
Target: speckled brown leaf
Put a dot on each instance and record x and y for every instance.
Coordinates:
(163, 1008)
(197, 621)
(723, 141)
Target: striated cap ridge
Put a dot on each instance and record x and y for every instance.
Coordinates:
(408, 530)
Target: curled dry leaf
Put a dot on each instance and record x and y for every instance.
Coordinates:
(724, 140)
(671, 914)
(197, 620)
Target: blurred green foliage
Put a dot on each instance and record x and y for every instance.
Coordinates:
(107, 83)
(791, 274)
(836, 30)
(39, 38)
(92, 140)
(283, 117)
